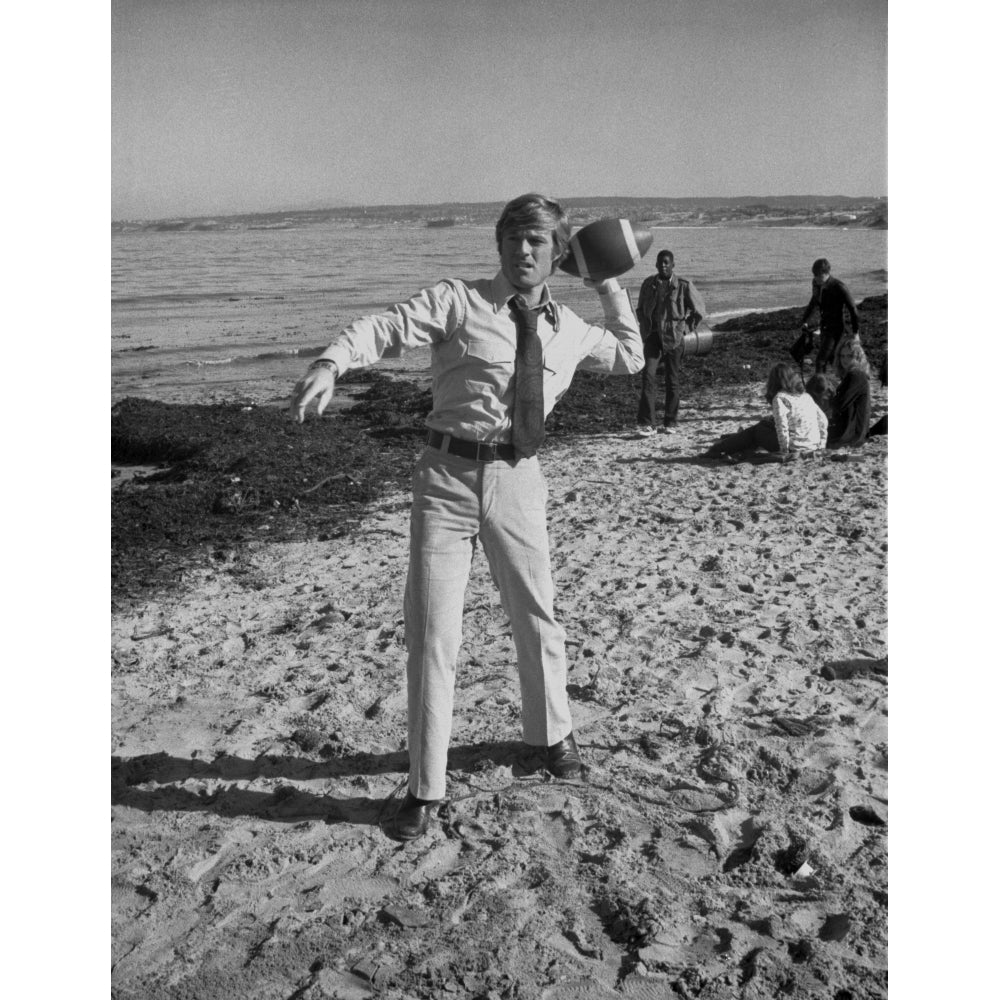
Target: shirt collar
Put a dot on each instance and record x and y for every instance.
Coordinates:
(504, 291)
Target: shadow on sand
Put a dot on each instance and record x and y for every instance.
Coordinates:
(287, 802)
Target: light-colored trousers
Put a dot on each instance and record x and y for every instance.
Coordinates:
(456, 500)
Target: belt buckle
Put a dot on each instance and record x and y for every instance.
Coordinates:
(490, 452)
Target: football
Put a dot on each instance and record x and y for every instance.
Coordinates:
(605, 249)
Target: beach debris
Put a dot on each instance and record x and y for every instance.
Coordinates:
(328, 479)
(870, 814)
(839, 670)
(372, 971)
(792, 727)
(793, 859)
(152, 634)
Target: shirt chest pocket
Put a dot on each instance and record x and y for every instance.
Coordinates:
(489, 352)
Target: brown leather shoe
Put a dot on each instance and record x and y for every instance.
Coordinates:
(563, 759)
(412, 817)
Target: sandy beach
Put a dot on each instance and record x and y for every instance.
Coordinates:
(729, 682)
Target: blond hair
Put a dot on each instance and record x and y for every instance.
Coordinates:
(535, 211)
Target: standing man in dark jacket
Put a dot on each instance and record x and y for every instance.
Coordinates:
(831, 296)
(669, 307)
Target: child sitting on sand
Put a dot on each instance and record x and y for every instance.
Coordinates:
(796, 423)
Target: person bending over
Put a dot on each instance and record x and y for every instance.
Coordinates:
(796, 423)
(503, 351)
(831, 296)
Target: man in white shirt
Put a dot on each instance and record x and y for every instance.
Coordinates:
(502, 354)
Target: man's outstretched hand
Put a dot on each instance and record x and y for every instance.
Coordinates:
(314, 385)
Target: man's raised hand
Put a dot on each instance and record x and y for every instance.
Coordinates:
(606, 287)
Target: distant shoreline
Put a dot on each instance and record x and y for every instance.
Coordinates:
(837, 211)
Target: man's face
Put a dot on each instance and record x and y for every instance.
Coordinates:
(526, 257)
(666, 266)
(820, 279)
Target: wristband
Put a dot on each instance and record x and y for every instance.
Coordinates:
(323, 363)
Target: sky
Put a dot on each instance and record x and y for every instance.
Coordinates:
(223, 107)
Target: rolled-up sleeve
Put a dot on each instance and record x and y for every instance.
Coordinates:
(431, 315)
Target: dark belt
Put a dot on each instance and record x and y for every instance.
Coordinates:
(478, 450)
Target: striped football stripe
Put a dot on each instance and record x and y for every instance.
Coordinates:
(629, 237)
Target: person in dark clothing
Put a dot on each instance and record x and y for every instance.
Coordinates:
(881, 426)
(852, 402)
(831, 296)
(669, 307)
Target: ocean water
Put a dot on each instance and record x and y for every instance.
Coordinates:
(235, 315)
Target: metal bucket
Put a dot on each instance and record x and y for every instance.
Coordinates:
(697, 342)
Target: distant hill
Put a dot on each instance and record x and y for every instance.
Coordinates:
(750, 210)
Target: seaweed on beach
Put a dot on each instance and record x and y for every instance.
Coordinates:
(233, 476)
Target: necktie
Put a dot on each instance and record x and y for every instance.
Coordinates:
(528, 420)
